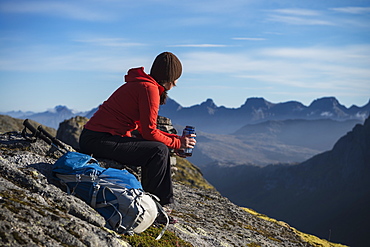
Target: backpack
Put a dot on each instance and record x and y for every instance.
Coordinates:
(116, 194)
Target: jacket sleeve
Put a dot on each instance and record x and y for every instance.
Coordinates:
(148, 107)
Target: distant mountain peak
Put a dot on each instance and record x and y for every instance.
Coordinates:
(209, 103)
(257, 103)
(325, 101)
(59, 109)
(328, 107)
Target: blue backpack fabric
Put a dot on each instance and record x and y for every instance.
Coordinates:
(74, 163)
(116, 194)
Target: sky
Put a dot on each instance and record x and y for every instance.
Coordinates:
(76, 52)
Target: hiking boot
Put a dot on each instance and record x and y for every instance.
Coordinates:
(161, 220)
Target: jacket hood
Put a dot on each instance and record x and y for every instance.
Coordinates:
(138, 75)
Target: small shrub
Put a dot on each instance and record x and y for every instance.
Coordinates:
(147, 239)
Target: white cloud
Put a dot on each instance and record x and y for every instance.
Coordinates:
(48, 58)
(250, 39)
(298, 17)
(294, 20)
(300, 12)
(353, 10)
(195, 21)
(354, 54)
(110, 42)
(216, 6)
(199, 45)
(315, 68)
(57, 8)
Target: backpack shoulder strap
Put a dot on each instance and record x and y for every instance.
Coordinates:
(160, 208)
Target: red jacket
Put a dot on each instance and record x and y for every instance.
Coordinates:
(133, 106)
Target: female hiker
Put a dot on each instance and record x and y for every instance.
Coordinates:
(134, 106)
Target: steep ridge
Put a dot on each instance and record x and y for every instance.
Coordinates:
(327, 195)
(35, 212)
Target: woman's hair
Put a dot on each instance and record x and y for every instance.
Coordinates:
(163, 98)
(166, 67)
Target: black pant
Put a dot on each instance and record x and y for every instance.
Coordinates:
(153, 157)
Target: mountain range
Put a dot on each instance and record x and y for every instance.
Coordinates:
(210, 118)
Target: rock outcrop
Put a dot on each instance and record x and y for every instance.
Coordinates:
(69, 131)
(34, 212)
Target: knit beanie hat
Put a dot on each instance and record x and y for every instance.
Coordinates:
(166, 68)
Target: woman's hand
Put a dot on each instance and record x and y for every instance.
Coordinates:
(186, 142)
